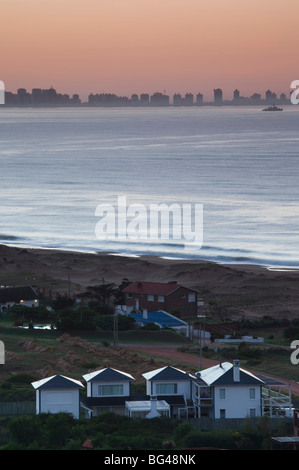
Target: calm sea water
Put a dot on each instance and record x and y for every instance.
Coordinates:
(241, 164)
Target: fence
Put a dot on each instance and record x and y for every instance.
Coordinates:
(239, 424)
(205, 424)
(17, 408)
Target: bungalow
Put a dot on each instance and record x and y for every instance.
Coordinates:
(58, 394)
(24, 295)
(227, 391)
(174, 386)
(107, 390)
(154, 296)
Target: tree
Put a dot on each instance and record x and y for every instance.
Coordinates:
(119, 294)
(103, 293)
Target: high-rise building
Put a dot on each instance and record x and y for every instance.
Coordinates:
(144, 98)
(188, 100)
(236, 95)
(218, 96)
(177, 99)
(270, 96)
(159, 99)
(199, 99)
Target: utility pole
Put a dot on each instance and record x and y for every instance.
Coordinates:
(115, 328)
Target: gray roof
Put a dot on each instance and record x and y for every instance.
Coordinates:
(167, 373)
(271, 380)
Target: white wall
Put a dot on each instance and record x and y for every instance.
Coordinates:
(183, 387)
(58, 401)
(237, 402)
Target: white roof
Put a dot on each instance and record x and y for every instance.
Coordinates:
(41, 382)
(210, 375)
(153, 373)
(213, 373)
(91, 375)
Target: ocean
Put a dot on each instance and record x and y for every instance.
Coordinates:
(239, 164)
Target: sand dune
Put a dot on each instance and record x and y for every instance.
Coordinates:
(238, 290)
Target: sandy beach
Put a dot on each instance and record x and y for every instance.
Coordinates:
(238, 290)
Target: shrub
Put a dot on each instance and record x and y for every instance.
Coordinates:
(217, 439)
(25, 429)
(291, 332)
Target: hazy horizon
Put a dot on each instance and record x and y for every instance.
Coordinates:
(147, 47)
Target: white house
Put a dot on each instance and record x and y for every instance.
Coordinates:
(227, 391)
(107, 390)
(58, 394)
(173, 385)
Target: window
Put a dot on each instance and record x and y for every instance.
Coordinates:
(222, 414)
(166, 389)
(160, 298)
(222, 393)
(150, 298)
(252, 413)
(110, 390)
(191, 297)
(252, 393)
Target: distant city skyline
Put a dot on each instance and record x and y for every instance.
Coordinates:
(147, 46)
(49, 96)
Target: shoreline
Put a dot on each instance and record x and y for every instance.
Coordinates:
(239, 290)
(234, 263)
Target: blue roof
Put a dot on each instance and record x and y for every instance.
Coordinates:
(161, 318)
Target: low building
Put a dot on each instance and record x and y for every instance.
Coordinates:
(148, 409)
(58, 394)
(155, 296)
(162, 319)
(24, 295)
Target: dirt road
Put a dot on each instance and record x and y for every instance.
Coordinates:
(171, 353)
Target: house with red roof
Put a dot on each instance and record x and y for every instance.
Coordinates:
(155, 296)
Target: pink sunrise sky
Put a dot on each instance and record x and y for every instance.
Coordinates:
(141, 46)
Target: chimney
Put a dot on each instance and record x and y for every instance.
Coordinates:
(236, 370)
(153, 413)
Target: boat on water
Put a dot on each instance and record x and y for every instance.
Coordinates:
(273, 108)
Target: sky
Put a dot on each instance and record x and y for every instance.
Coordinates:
(147, 46)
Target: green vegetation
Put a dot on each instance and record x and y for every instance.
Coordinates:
(113, 432)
